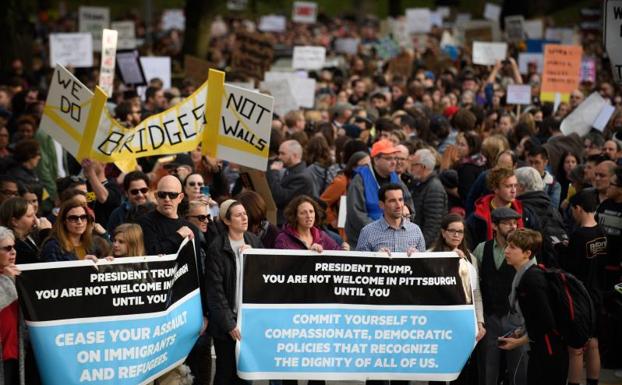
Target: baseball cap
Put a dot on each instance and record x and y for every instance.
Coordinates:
(503, 213)
(383, 146)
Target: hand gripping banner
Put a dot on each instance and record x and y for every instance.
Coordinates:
(355, 316)
(124, 322)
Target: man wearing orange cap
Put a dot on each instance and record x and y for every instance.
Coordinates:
(362, 199)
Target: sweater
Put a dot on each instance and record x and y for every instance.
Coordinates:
(289, 239)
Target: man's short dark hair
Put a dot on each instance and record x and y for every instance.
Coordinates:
(388, 187)
(150, 92)
(597, 158)
(68, 182)
(132, 176)
(586, 199)
(538, 150)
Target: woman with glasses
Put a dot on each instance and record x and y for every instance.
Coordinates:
(223, 287)
(452, 239)
(20, 216)
(195, 190)
(12, 360)
(72, 235)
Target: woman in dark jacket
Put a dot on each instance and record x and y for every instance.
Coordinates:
(223, 283)
(300, 232)
(472, 162)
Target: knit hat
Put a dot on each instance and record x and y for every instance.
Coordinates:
(224, 207)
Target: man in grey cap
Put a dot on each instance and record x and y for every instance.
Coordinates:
(496, 283)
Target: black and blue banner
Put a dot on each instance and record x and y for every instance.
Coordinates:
(122, 322)
(355, 316)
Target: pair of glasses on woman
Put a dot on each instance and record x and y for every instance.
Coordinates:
(8, 248)
(200, 218)
(77, 218)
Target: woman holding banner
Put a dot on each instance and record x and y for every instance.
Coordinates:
(11, 348)
(223, 284)
(452, 239)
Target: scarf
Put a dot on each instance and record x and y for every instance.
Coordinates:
(517, 277)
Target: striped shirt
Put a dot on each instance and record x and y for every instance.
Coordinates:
(379, 234)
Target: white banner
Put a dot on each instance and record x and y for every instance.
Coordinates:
(485, 53)
(106, 71)
(418, 20)
(492, 12)
(174, 19)
(71, 49)
(584, 116)
(127, 34)
(304, 12)
(612, 38)
(308, 57)
(272, 23)
(94, 20)
(519, 94)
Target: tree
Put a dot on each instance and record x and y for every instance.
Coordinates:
(199, 16)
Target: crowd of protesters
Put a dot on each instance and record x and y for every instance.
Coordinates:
(429, 157)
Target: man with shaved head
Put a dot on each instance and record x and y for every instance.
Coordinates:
(163, 229)
(288, 177)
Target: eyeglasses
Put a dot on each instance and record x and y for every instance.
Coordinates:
(77, 218)
(164, 194)
(143, 191)
(389, 158)
(200, 218)
(195, 184)
(455, 232)
(400, 160)
(8, 248)
(11, 193)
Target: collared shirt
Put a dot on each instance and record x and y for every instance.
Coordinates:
(497, 253)
(379, 234)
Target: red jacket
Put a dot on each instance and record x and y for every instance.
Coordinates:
(479, 222)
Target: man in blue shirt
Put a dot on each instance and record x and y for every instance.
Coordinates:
(392, 232)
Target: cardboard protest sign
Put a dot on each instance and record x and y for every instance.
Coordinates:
(124, 322)
(255, 180)
(284, 100)
(127, 34)
(478, 30)
(514, 28)
(173, 19)
(418, 20)
(492, 12)
(155, 67)
(130, 68)
(71, 49)
(94, 20)
(562, 71)
(582, 118)
(304, 12)
(603, 117)
(525, 58)
(196, 69)
(519, 94)
(109, 51)
(612, 35)
(354, 316)
(272, 23)
(534, 28)
(485, 53)
(308, 57)
(347, 45)
(253, 55)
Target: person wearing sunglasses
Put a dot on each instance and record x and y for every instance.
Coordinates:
(72, 236)
(137, 203)
(20, 216)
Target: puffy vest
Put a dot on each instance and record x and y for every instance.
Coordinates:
(371, 188)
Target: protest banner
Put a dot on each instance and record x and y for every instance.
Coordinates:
(71, 49)
(304, 95)
(127, 34)
(304, 12)
(94, 20)
(562, 71)
(534, 28)
(252, 56)
(478, 30)
(308, 57)
(588, 70)
(354, 316)
(124, 322)
(612, 35)
(272, 23)
(563, 35)
(525, 58)
(582, 118)
(519, 94)
(109, 51)
(173, 19)
(284, 100)
(130, 68)
(514, 28)
(255, 180)
(418, 20)
(399, 30)
(156, 67)
(485, 53)
(492, 12)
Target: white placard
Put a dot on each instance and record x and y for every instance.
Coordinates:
(173, 19)
(448, 39)
(109, 51)
(524, 58)
(246, 85)
(399, 30)
(156, 67)
(304, 91)
(278, 75)
(94, 20)
(127, 34)
(612, 37)
(519, 94)
(514, 27)
(130, 68)
(284, 100)
(347, 45)
(492, 12)
(485, 53)
(308, 57)
(418, 20)
(343, 210)
(436, 19)
(462, 18)
(71, 49)
(443, 11)
(603, 117)
(534, 29)
(583, 117)
(563, 35)
(304, 12)
(272, 23)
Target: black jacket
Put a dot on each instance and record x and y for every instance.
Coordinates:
(221, 282)
(289, 184)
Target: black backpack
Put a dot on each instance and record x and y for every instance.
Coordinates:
(572, 306)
